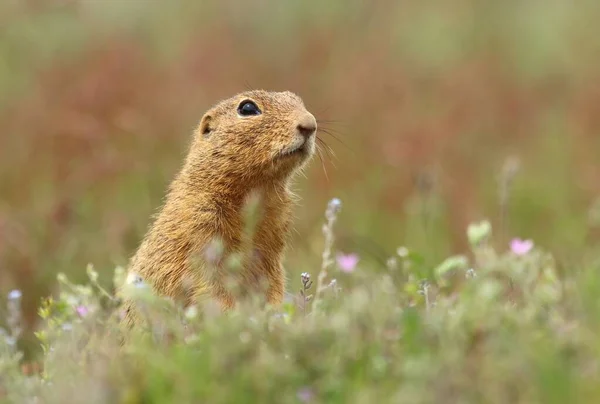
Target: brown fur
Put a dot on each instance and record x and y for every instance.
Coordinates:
(231, 157)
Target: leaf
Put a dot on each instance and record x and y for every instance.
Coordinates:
(451, 264)
(477, 232)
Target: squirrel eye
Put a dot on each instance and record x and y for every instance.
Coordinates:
(247, 108)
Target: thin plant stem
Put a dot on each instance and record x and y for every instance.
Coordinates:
(333, 208)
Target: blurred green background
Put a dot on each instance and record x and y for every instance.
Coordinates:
(439, 113)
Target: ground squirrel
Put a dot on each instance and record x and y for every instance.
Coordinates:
(251, 143)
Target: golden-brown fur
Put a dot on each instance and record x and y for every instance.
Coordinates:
(231, 157)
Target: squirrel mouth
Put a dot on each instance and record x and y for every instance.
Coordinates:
(295, 151)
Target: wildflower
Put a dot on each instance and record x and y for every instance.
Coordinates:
(335, 204)
(82, 310)
(347, 262)
(402, 252)
(521, 247)
(134, 279)
(305, 394)
(470, 273)
(305, 278)
(333, 207)
(14, 294)
(191, 312)
(14, 312)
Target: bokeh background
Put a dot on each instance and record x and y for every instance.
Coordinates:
(439, 114)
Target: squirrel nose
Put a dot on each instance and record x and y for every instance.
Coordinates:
(307, 126)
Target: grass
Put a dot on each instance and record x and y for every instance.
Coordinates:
(488, 326)
(440, 116)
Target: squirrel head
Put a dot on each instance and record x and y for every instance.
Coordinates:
(253, 137)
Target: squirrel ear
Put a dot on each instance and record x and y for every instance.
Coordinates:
(205, 124)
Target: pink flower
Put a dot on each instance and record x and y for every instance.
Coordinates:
(347, 262)
(521, 247)
(82, 311)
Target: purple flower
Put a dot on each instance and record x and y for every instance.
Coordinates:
(82, 311)
(521, 247)
(305, 394)
(335, 204)
(347, 262)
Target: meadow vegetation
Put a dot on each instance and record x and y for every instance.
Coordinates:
(446, 246)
